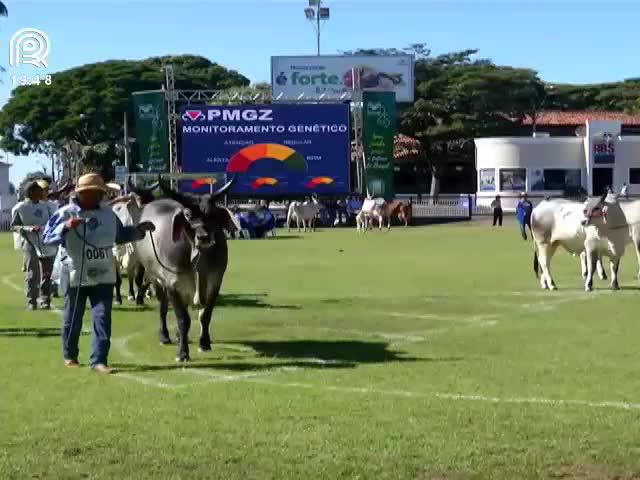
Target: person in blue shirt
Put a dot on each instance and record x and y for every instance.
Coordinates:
(523, 214)
(86, 231)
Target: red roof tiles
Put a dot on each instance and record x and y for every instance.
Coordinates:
(575, 118)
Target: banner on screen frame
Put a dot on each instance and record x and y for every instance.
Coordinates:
(150, 112)
(379, 129)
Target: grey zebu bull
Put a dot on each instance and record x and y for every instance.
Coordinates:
(128, 209)
(556, 223)
(610, 225)
(186, 258)
(303, 212)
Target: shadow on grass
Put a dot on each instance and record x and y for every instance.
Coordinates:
(352, 351)
(251, 301)
(32, 332)
(233, 367)
(132, 308)
(630, 288)
(310, 354)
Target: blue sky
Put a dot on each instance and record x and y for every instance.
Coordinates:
(565, 41)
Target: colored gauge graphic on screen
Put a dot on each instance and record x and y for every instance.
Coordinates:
(242, 159)
(263, 181)
(203, 181)
(316, 181)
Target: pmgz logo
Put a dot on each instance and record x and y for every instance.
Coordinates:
(193, 115)
(229, 115)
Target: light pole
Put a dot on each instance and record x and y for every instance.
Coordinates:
(315, 13)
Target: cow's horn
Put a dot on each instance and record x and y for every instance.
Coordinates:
(604, 197)
(164, 186)
(222, 190)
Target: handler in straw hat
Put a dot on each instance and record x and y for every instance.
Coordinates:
(87, 231)
(28, 219)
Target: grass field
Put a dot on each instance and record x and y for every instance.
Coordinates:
(425, 353)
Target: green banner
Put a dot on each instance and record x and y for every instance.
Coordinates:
(379, 129)
(152, 133)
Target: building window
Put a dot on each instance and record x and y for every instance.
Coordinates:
(555, 179)
(513, 179)
(487, 180)
(634, 176)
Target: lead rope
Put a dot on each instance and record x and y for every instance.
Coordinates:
(155, 253)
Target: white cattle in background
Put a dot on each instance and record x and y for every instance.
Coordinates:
(128, 209)
(610, 226)
(561, 223)
(305, 213)
(371, 210)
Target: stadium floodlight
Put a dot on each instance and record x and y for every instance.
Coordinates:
(315, 12)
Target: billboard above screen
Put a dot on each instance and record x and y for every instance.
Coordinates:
(331, 76)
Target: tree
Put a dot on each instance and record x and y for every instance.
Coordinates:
(86, 105)
(459, 97)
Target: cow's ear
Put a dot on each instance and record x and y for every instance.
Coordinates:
(225, 219)
(179, 225)
(231, 222)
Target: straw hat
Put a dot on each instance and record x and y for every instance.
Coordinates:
(90, 181)
(32, 186)
(114, 186)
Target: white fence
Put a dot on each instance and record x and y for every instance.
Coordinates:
(5, 220)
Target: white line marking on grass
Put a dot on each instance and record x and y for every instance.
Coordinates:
(362, 333)
(150, 381)
(7, 280)
(456, 396)
(121, 344)
(426, 316)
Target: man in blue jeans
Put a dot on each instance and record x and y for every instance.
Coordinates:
(523, 214)
(87, 231)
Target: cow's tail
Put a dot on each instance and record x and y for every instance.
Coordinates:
(536, 263)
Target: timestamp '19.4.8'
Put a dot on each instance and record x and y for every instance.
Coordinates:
(19, 80)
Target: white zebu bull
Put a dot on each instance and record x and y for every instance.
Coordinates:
(128, 209)
(303, 212)
(560, 222)
(610, 226)
(556, 223)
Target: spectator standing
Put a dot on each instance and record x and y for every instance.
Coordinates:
(523, 214)
(496, 204)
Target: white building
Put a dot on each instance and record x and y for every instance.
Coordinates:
(543, 165)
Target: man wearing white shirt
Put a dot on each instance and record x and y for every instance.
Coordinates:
(28, 219)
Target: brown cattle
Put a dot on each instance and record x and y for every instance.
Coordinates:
(395, 208)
